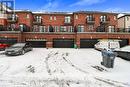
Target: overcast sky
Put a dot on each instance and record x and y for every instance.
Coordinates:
(74, 5)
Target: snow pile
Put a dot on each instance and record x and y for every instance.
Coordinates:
(61, 68)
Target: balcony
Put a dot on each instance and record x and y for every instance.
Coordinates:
(12, 18)
(90, 21)
(105, 21)
(37, 21)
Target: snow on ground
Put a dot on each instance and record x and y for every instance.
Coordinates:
(62, 68)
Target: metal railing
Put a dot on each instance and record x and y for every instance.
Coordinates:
(118, 30)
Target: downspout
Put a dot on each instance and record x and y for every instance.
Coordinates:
(124, 22)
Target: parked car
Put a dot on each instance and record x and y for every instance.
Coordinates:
(18, 49)
(3, 46)
(107, 45)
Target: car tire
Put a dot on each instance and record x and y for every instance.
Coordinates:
(23, 52)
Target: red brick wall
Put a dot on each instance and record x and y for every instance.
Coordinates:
(3, 22)
(82, 20)
(22, 19)
(59, 19)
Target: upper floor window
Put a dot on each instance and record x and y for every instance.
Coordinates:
(111, 28)
(63, 29)
(127, 18)
(90, 18)
(35, 28)
(50, 17)
(91, 27)
(23, 27)
(76, 16)
(80, 28)
(70, 29)
(115, 17)
(38, 18)
(54, 17)
(103, 18)
(12, 16)
(67, 19)
(41, 29)
(27, 16)
(56, 28)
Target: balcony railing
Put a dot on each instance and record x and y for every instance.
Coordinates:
(37, 21)
(105, 21)
(12, 19)
(90, 21)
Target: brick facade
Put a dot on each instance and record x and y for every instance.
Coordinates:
(70, 31)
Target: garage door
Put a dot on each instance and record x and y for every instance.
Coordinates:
(123, 42)
(88, 43)
(37, 43)
(63, 43)
(8, 40)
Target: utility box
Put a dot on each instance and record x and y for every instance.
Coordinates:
(108, 57)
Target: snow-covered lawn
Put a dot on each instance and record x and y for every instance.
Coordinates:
(62, 68)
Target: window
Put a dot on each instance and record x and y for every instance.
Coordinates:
(111, 28)
(67, 19)
(12, 27)
(48, 29)
(90, 18)
(127, 18)
(21, 27)
(54, 17)
(91, 27)
(27, 16)
(76, 16)
(70, 29)
(56, 28)
(103, 18)
(115, 17)
(80, 28)
(38, 18)
(13, 17)
(44, 28)
(41, 29)
(50, 17)
(63, 29)
(35, 28)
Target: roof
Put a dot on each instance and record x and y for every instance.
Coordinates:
(22, 11)
(96, 12)
(63, 13)
(124, 16)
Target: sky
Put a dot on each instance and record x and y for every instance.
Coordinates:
(74, 5)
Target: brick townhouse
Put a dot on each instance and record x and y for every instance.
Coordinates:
(60, 29)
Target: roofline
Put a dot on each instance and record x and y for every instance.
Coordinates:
(61, 13)
(124, 16)
(96, 12)
(65, 13)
